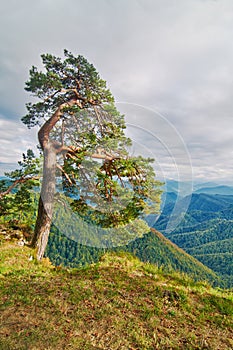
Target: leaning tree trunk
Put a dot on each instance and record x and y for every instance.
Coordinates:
(46, 201)
(45, 209)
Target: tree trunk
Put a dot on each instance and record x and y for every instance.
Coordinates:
(46, 201)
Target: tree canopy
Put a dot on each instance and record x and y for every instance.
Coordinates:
(16, 199)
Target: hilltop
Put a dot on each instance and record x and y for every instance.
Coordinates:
(118, 303)
(153, 247)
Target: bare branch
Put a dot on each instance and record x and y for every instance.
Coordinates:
(98, 117)
(15, 183)
(51, 96)
(47, 127)
(65, 174)
(101, 156)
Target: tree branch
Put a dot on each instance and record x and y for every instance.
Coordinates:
(65, 174)
(15, 183)
(101, 156)
(47, 127)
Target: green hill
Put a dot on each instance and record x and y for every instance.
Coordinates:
(153, 247)
(119, 303)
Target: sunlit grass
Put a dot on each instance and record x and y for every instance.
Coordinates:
(119, 303)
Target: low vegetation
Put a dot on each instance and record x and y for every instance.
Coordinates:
(118, 303)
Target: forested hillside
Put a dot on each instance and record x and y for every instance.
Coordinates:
(153, 247)
(206, 231)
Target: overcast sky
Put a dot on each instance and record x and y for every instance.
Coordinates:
(173, 57)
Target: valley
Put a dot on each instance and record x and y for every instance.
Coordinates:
(206, 230)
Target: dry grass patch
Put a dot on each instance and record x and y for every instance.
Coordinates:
(119, 303)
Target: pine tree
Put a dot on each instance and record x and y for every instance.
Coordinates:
(82, 134)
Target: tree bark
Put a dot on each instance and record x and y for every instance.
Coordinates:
(46, 201)
(45, 207)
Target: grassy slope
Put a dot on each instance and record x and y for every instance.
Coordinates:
(119, 303)
(152, 247)
(157, 249)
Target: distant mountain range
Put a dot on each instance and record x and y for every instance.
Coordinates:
(225, 190)
(174, 186)
(198, 201)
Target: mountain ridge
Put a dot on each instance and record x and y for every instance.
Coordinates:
(207, 220)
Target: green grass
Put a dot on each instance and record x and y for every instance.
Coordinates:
(119, 303)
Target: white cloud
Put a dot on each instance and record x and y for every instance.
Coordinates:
(15, 140)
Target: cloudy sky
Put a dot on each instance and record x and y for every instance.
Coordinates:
(169, 64)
